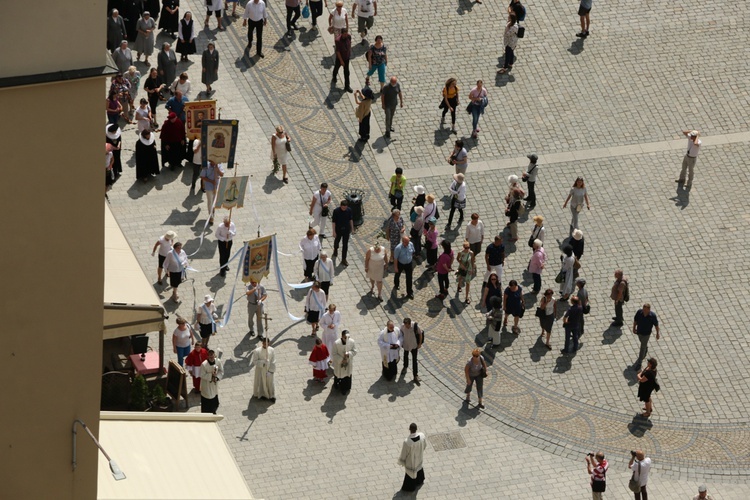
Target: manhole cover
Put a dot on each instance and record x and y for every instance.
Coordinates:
(447, 441)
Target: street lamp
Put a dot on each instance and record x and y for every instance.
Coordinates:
(116, 472)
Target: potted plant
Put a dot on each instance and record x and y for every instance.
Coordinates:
(139, 394)
(160, 401)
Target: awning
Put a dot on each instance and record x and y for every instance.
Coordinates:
(167, 455)
(131, 305)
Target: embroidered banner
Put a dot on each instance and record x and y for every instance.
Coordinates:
(219, 140)
(195, 113)
(231, 192)
(256, 263)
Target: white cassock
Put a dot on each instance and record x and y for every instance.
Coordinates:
(339, 353)
(385, 340)
(265, 367)
(329, 325)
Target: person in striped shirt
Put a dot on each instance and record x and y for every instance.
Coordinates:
(597, 467)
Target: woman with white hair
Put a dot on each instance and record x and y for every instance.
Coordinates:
(323, 271)
(577, 242)
(375, 261)
(577, 196)
(538, 231)
(536, 264)
(176, 262)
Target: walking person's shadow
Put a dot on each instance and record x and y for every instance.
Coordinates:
(576, 47)
(682, 197)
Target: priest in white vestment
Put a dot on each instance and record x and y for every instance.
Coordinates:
(390, 350)
(329, 324)
(265, 367)
(412, 454)
(343, 359)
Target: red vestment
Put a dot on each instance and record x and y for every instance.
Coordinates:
(319, 360)
(193, 361)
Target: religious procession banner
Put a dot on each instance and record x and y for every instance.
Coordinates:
(195, 113)
(231, 192)
(256, 263)
(219, 140)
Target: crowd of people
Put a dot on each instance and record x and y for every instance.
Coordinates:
(410, 242)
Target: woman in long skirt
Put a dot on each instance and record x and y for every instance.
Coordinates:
(186, 37)
(169, 19)
(113, 137)
(146, 159)
(210, 64)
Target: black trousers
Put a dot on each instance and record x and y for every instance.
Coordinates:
(364, 127)
(531, 197)
(309, 266)
(225, 248)
(407, 269)
(416, 240)
(343, 384)
(415, 367)
(173, 155)
(509, 57)
(336, 65)
(316, 10)
(292, 14)
(209, 405)
(336, 241)
(396, 201)
(454, 206)
(252, 26)
(444, 283)
(196, 174)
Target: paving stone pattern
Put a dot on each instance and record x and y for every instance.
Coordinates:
(542, 414)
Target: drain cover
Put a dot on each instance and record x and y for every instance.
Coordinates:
(447, 441)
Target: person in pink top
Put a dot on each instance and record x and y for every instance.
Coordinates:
(431, 235)
(536, 264)
(444, 267)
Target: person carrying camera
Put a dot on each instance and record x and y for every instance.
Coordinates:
(597, 466)
(640, 464)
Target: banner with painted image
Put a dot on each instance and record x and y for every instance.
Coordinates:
(195, 113)
(219, 140)
(231, 192)
(256, 263)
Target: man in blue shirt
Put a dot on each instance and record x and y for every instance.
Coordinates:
(644, 322)
(402, 262)
(343, 227)
(176, 104)
(572, 321)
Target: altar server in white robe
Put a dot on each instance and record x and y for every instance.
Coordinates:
(329, 325)
(265, 368)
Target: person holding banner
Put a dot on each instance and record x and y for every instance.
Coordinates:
(211, 174)
(256, 297)
(315, 305)
(207, 319)
(310, 248)
(175, 264)
(224, 234)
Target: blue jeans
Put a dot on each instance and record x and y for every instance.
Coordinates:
(182, 353)
(381, 71)
(571, 332)
(475, 113)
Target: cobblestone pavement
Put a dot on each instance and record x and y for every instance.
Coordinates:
(543, 413)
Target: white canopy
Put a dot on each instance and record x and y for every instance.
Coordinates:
(131, 305)
(167, 456)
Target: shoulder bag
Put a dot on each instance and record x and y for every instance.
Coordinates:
(634, 484)
(324, 210)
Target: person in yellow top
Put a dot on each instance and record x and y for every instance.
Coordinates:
(398, 186)
(450, 102)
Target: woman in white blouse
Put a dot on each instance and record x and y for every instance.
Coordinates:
(182, 84)
(330, 324)
(310, 246)
(315, 306)
(175, 264)
(323, 271)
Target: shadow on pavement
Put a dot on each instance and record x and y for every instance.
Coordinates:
(681, 198)
(631, 375)
(640, 426)
(313, 388)
(394, 390)
(611, 335)
(538, 350)
(466, 413)
(576, 47)
(335, 402)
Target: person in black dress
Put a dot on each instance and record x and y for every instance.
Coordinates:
(513, 304)
(153, 86)
(146, 159)
(186, 37)
(113, 137)
(169, 19)
(210, 66)
(491, 290)
(646, 385)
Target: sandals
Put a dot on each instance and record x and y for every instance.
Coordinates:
(285, 180)
(467, 301)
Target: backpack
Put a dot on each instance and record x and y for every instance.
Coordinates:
(419, 332)
(522, 17)
(626, 292)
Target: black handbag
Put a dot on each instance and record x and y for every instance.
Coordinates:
(523, 311)
(599, 486)
(521, 32)
(539, 312)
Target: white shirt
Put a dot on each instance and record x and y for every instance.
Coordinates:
(182, 87)
(538, 233)
(224, 233)
(255, 11)
(320, 200)
(197, 156)
(644, 470)
(458, 190)
(316, 301)
(475, 234)
(386, 339)
(172, 265)
(694, 147)
(182, 337)
(339, 20)
(365, 8)
(310, 247)
(532, 170)
(323, 270)
(202, 319)
(165, 246)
